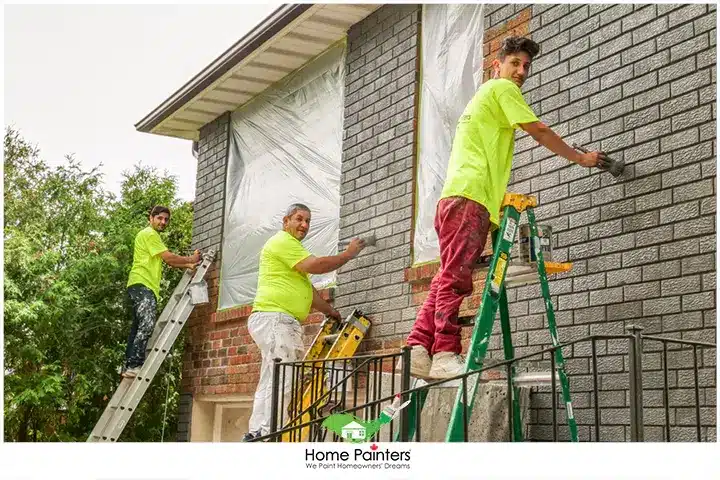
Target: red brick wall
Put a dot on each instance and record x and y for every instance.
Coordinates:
(420, 278)
(493, 37)
(220, 356)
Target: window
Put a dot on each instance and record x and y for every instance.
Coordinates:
(285, 147)
(451, 72)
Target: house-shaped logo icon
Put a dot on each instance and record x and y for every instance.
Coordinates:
(353, 431)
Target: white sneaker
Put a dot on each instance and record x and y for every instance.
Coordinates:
(447, 365)
(419, 362)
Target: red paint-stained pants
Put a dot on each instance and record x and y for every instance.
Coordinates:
(462, 227)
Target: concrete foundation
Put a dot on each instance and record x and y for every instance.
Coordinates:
(488, 420)
(489, 417)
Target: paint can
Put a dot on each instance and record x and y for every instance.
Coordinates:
(526, 253)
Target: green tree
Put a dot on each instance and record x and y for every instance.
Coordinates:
(68, 251)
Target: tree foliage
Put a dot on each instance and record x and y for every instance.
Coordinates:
(68, 252)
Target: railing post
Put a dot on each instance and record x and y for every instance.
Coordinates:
(275, 396)
(636, 384)
(405, 386)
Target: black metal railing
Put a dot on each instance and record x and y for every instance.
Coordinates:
(316, 389)
(361, 386)
(674, 346)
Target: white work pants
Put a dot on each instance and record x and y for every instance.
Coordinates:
(277, 335)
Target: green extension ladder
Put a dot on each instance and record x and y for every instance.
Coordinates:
(494, 297)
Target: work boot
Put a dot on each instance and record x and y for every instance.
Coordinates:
(250, 436)
(446, 365)
(419, 362)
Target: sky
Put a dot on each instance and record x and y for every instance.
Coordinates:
(77, 78)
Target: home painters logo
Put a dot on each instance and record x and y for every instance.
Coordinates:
(368, 457)
(352, 429)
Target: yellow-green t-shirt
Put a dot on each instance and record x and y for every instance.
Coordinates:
(481, 157)
(147, 264)
(280, 287)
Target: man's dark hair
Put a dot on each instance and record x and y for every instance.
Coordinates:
(295, 207)
(158, 209)
(518, 44)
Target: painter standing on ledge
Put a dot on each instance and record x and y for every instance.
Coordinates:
(143, 286)
(477, 177)
(284, 298)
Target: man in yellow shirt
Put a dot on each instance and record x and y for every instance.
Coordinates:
(283, 300)
(143, 285)
(476, 181)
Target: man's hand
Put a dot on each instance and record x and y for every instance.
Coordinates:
(320, 265)
(593, 159)
(355, 247)
(319, 304)
(589, 159)
(177, 261)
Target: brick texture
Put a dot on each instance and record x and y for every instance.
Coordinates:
(207, 234)
(636, 81)
(209, 202)
(219, 356)
(377, 170)
(513, 20)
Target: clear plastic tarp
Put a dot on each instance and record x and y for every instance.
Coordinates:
(452, 71)
(285, 147)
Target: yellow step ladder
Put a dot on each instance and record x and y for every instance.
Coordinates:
(334, 340)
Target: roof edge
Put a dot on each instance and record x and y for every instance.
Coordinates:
(274, 23)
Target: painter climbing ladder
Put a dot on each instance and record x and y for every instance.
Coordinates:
(335, 340)
(501, 274)
(191, 290)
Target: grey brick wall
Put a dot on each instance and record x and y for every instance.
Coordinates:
(377, 166)
(184, 417)
(637, 81)
(210, 184)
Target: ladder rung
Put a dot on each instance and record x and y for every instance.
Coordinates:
(330, 338)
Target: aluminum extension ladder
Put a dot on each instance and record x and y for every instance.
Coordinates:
(191, 290)
(334, 340)
(500, 275)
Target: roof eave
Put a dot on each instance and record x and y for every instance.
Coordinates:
(273, 24)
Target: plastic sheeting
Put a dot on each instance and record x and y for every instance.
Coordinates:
(452, 71)
(285, 147)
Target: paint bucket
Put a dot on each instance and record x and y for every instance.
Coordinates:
(526, 253)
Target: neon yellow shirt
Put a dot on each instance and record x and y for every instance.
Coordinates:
(481, 157)
(281, 288)
(147, 264)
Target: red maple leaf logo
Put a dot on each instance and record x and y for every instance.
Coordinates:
(373, 447)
